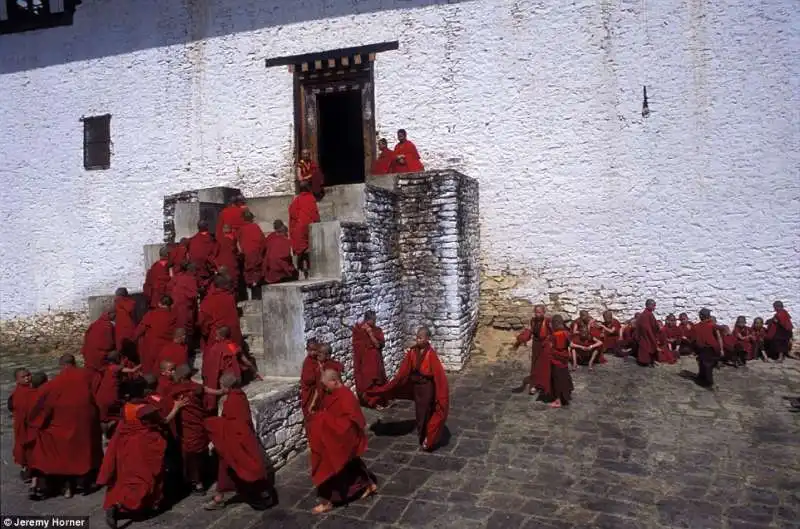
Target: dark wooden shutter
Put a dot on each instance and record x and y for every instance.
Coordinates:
(97, 142)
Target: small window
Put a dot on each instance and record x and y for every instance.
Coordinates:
(97, 142)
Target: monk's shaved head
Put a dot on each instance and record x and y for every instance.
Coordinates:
(248, 216)
(557, 322)
(221, 281)
(228, 380)
(278, 225)
(38, 378)
(778, 305)
(331, 374)
(704, 314)
(113, 357)
(202, 225)
(180, 335)
(167, 366)
(150, 382)
(424, 331)
(66, 360)
(370, 316)
(323, 351)
(20, 374)
(224, 332)
(166, 300)
(226, 228)
(183, 372)
(650, 304)
(163, 252)
(188, 267)
(121, 292)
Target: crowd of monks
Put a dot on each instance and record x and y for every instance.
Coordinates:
(556, 348)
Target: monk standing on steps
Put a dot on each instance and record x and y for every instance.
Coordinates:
(125, 324)
(309, 175)
(232, 215)
(251, 246)
(317, 360)
(406, 157)
(336, 441)
(369, 371)
(227, 256)
(421, 378)
(98, 341)
(201, 249)
(303, 213)
(386, 156)
(278, 264)
(539, 332)
(157, 278)
(646, 335)
(242, 467)
(222, 357)
(183, 290)
(155, 331)
(218, 309)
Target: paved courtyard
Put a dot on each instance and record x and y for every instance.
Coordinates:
(639, 448)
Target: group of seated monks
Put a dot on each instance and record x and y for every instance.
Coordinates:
(164, 429)
(557, 347)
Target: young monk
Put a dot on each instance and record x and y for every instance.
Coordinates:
(669, 341)
(278, 264)
(201, 248)
(309, 176)
(107, 389)
(133, 466)
(758, 332)
(98, 341)
(176, 351)
(218, 309)
(743, 347)
(242, 468)
(538, 333)
(383, 162)
(184, 291)
(232, 216)
(125, 324)
(190, 427)
(156, 330)
(685, 344)
(584, 320)
(336, 440)
(610, 333)
(728, 345)
(369, 371)
(707, 343)
(251, 247)
(560, 379)
(178, 254)
(421, 378)
(303, 213)
(20, 403)
(628, 343)
(165, 378)
(406, 156)
(779, 333)
(585, 349)
(318, 359)
(227, 256)
(223, 356)
(647, 335)
(157, 278)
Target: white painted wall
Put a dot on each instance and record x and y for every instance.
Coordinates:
(540, 101)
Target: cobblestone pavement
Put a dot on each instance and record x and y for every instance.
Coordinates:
(639, 448)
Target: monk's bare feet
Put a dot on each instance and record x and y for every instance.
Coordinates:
(68, 491)
(533, 391)
(322, 508)
(369, 491)
(216, 503)
(555, 404)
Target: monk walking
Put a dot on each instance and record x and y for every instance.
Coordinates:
(278, 265)
(125, 323)
(302, 213)
(178, 254)
(232, 216)
(539, 332)
(386, 156)
(251, 246)
(336, 440)
(779, 333)
(157, 278)
(317, 360)
(201, 249)
(20, 403)
(309, 175)
(707, 343)
(647, 335)
(155, 331)
(176, 352)
(406, 157)
(421, 378)
(219, 309)
(242, 467)
(98, 341)
(368, 343)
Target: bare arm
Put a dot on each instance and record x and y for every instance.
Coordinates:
(180, 403)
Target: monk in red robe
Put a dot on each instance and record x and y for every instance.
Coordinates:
(223, 356)
(685, 346)
(539, 332)
(201, 249)
(386, 156)
(218, 309)
(309, 175)
(647, 335)
(232, 215)
(20, 403)
(585, 349)
(227, 257)
(743, 346)
(584, 320)
(98, 341)
(133, 467)
(176, 351)
(316, 361)
(278, 265)
(406, 157)
(369, 371)
(336, 441)
(303, 213)
(125, 323)
(190, 427)
(157, 278)
(707, 343)
(184, 291)
(421, 378)
(560, 379)
(779, 333)
(627, 345)
(669, 338)
(610, 333)
(179, 254)
(156, 330)
(251, 247)
(107, 388)
(165, 379)
(242, 466)
(65, 428)
(759, 332)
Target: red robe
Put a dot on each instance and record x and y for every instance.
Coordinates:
(106, 392)
(228, 256)
(252, 244)
(610, 339)
(704, 336)
(20, 403)
(190, 426)
(311, 170)
(302, 213)
(744, 340)
(335, 435)
(156, 280)
(178, 255)
(539, 332)
(230, 215)
(218, 309)
(177, 353)
(413, 163)
(98, 341)
(668, 344)
(310, 378)
(217, 359)
(133, 466)
(235, 440)
(383, 163)
(201, 249)
(368, 362)
(646, 335)
(779, 333)
(182, 288)
(583, 356)
(64, 426)
(757, 336)
(278, 265)
(156, 330)
(125, 325)
(420, 367)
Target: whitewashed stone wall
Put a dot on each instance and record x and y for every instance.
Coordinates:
(583, 200)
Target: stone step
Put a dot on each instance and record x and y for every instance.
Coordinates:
(325, 250)
(250, 306)
(252, 325)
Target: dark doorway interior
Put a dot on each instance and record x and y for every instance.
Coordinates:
(341, 137)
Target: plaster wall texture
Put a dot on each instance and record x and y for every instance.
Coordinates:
(583, 200)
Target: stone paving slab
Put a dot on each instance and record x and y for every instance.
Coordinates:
(639, 448)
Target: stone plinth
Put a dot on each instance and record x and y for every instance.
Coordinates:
(151, 254)
(277, 417)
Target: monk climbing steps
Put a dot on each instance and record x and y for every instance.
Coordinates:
(154, 332)
(383, 163)
(646, 335)
(309, 176)
(227, 257)
(176, 351)
(278, 265)
(251, 247)
(20, 403)
(318, 358)
(242, 467)
(232, 216)
(369, 371)
(106, 391)
(779, 333)
(98, 341)
(178, 254)
(218, 309)
(125, 324)
(157, 278)
(303, 213)
(421, 378)
(224, 356)
(184, 291)
(539, 332)
(560, 379)
(201, 249)
(406, 157)
(336, 441)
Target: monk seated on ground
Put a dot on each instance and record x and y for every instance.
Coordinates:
(743, 346)
(759, 331)
(685, 344)
(610, 332)
(585, 349)
(668, 341)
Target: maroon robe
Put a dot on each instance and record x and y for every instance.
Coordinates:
(310, 377)
(668, 344)
(178, 255)
(744, 341)
(383, 164)
(231, 215)
(190, 428)
(610, 339)
(218, 309)
(539, 332)
(156, 330)
(201, 248)
(560, 380)
(302, 213)
(409, 151)
(183, 290)
(252, 245)
(217, 359)
(177, 353)
(20, 404)
(779, 334)
(106, 392)
(646, 337)
(310, 171)
(228, 256)
(156, 280)
(368, 362)
(98, 341)
(278, 264)
(125, 326)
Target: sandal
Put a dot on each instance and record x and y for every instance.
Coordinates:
(215, 504)
(322, 508)
(369, 491)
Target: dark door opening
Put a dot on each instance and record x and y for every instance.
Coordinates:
(341, 137)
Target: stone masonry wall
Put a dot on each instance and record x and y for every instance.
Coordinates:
(469, 234)
(278, 420)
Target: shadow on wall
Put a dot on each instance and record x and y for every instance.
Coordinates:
(104, 28)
